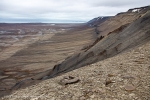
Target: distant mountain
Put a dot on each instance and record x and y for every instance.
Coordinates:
(97, 20)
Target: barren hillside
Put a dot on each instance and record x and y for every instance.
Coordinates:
(129, 69)
(116, 35)
(77, 46)
(33, 53)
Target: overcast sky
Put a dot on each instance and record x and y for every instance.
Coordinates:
(63, 10)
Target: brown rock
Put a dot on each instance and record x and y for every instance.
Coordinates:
(128, 77)
(69, 80)
(129, 87)
(82, 98)
(110, 75)
(108, 81)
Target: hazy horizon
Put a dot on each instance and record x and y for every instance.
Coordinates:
(62, 11)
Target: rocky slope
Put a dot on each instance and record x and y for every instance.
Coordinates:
(115, 35)
(33, 54)
(127, 76)
(118, 34)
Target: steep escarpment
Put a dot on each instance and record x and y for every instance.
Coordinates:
(135, 30)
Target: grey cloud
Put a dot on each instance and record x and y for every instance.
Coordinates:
(48, 10)
(121, 3)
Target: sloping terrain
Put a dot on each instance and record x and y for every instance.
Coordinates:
(76, 48)
(121, 19)
(41, 55)
(133, 31)
(129, 68)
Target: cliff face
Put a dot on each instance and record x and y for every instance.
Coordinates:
(119, 33)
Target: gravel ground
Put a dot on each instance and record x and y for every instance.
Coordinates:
(123, 77)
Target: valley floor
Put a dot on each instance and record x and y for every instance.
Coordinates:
(127, 76)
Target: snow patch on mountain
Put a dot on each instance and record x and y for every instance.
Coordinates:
(136, 10)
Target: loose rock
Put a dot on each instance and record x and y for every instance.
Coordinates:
(129, 87)
(69, 80)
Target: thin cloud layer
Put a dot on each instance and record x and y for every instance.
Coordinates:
(63, 10)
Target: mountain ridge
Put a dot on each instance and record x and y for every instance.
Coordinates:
(112, 41)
